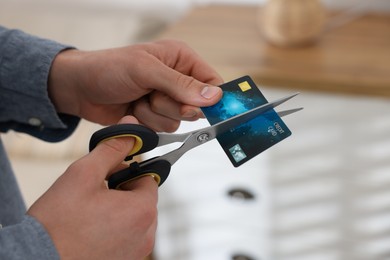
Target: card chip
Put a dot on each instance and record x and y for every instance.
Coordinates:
(244, 86)
(237, 153)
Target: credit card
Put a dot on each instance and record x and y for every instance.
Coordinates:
(245, 141)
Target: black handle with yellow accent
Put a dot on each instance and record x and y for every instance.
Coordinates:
(158, 169)
(145, 138)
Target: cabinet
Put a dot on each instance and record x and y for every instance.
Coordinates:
(210, 210)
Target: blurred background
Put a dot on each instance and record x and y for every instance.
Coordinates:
(323, 193)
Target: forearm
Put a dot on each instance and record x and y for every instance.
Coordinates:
(25, 63)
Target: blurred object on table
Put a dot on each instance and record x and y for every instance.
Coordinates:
(352, 59)
(291, 22)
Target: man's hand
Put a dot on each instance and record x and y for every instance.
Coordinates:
(88, 221)
(160, 83)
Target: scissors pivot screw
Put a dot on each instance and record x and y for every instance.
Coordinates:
(204, 137)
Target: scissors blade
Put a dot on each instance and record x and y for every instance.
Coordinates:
(289, 112)
(204, 135)
(167, 138)
(237, 120)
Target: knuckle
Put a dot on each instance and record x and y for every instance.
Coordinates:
(168, 127)
(146, 215)
(149, 244)
(150, 215)
(77, 167)
(185, 81)
(156, 100)
(80, 172)
(174, 42)
(173, 126)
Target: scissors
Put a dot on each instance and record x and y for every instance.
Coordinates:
(147, 139)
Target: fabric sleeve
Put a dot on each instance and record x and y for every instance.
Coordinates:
(26, 240)
(25, 106)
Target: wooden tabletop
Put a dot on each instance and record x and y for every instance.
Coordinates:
(353, 58)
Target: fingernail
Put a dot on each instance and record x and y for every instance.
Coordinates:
(190, 113)
(210, 91)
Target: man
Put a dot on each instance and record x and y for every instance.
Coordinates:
(45, 88)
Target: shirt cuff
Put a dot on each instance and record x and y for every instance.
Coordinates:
(27, 240)
(25, 104)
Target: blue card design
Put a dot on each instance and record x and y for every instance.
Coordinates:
(245, 141)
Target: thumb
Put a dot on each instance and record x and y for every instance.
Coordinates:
(188, 90)
(109, 154)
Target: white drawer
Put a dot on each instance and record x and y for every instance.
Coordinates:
(202, 176)
(212, 242)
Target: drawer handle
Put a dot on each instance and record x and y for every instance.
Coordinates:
(241, 257)
(241, 194)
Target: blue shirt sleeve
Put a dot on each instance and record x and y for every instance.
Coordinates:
(26, 240)
(25, 106)
(25, 62)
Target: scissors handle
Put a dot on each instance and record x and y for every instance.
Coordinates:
(158, 169)
(145, 138)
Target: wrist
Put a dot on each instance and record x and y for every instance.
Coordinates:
(62, 82)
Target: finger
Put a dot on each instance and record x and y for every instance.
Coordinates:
(146, 182)
(186, 89)
(187, 61)
(155, 121)
(177, 72)
(107, 155)
(164, 105)
(146, 188)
